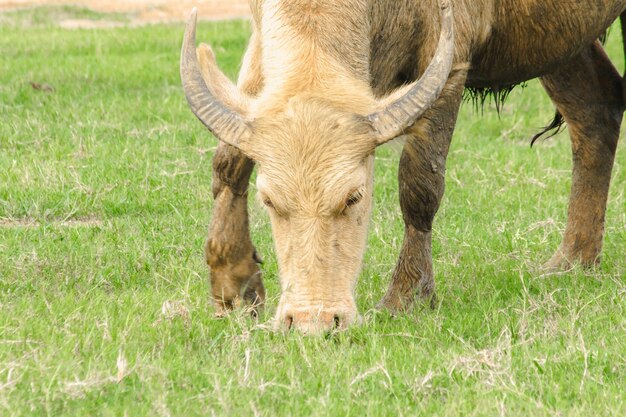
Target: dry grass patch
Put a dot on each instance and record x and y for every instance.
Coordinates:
(31, 223)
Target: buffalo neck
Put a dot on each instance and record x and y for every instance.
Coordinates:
(317, 46)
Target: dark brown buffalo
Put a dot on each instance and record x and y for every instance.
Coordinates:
(322, 85)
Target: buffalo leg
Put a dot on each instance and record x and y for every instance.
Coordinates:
(421, 179)
(230, 254)
(588, 93)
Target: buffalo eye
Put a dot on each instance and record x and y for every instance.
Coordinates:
(353, 198)
(268, 202)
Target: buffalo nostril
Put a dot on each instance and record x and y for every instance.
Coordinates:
(288, 322)
(316, 322)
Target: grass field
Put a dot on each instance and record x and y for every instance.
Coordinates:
(104, 298)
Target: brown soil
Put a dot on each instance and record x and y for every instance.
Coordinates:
(143, 11)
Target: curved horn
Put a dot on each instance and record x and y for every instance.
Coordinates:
(404, 111)
(226, 124)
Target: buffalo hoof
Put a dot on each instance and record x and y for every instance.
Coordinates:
(238, 284)
(566, 260)
(398, 304)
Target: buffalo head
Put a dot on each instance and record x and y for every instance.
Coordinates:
(314, 150)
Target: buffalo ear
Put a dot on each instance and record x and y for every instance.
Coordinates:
(221, 86)
(402, 108)
(214, 100)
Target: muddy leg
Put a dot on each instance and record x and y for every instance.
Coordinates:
(421, 179)
(588, 92)
(230, 254)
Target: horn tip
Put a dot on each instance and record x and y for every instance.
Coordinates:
(193, 15)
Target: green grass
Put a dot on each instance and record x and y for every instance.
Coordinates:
(104, 297)
(46, 16)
